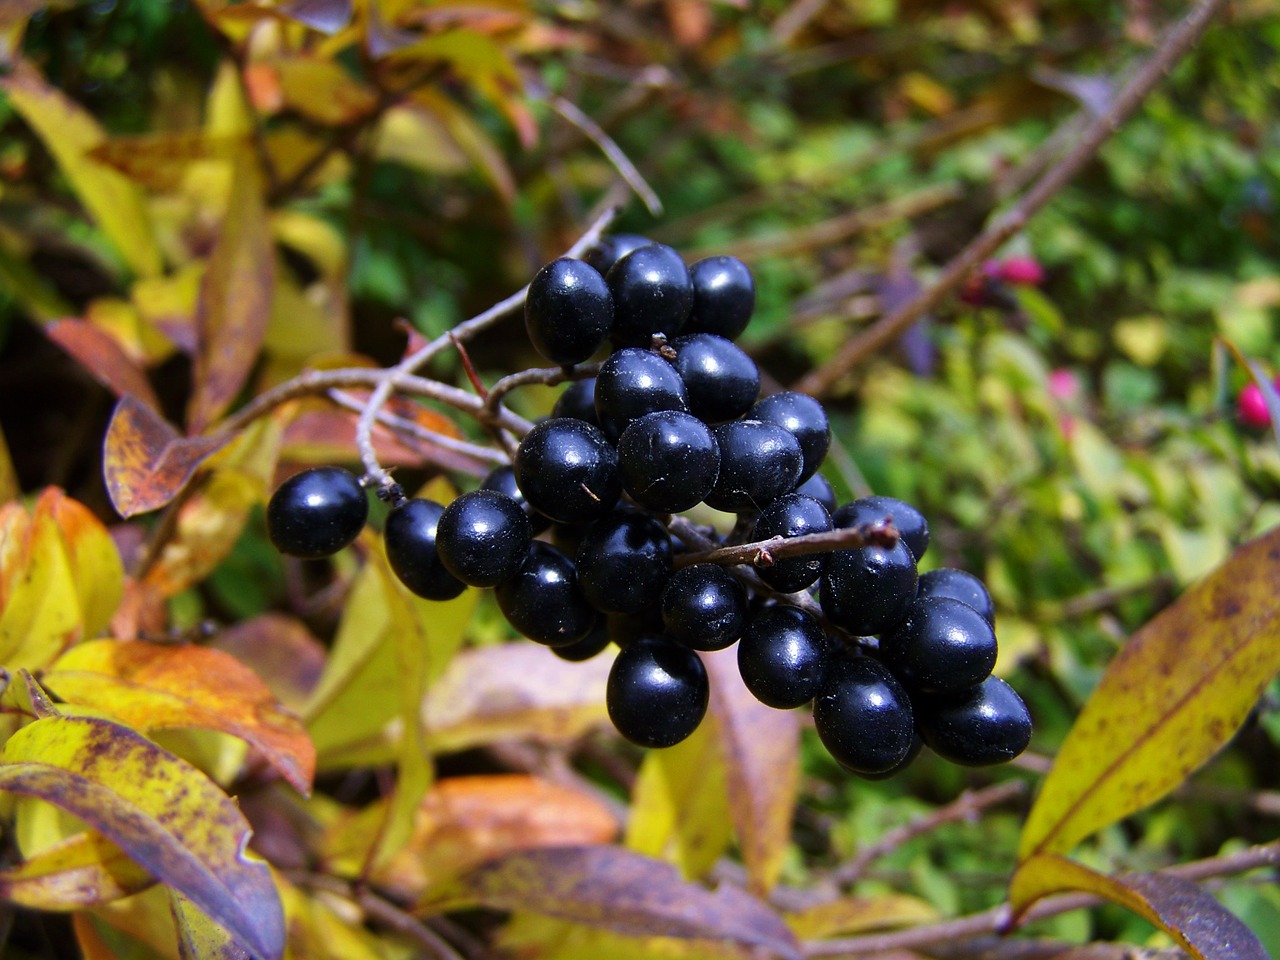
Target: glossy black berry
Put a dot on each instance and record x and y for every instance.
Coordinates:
(669, 461)
(863, 716)
(704, 606)
(569, 311)
(942, 646)
(589, 646)
(613, 248)
(568, 470)
(652, 293)
(759, 462)
(724, 295)
(959, 585)
(722, 381)
(819, 487)
(503, 480)
(782, 656)
(989, 724)
(632, 383)
(917, 744)
(869, 589)
(410, 538)
(803, 417)
(543, 599)
(578, 400)
(792, 516)
(317, 512)
(910, 522)
(657, 692)
(624, 562)
(483, 537)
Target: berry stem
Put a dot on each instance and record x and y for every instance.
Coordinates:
(547, 376)
(762, 553)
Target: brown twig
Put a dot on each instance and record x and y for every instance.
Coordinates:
(764, 553)
(967, 806)
(1177, 41)
(545, 376)
(997, 918)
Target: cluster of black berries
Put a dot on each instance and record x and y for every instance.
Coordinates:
(673, 419)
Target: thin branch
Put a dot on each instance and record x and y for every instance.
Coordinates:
(1178, 40)
(996, 919)
(546, 376)
(764, 553)
(967, 806)
(418, 432)
(396, 377)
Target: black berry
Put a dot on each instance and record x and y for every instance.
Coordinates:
(819, 487)
(803, 417)
(612, 249)
(578, 400)
(543, 599)
(942, 646)
(567, 470)
(624, 562)
(657, 692)
(589, 646)
(704, 606)
(568, 311)
(959, 585)
(652, 293)
(410, 538)
(724, 295)
(782, 656)
(722, 381)
(482, 537)
(986, 725)
(632, 383)
(792, 516)
(869, 589)
(503, 480)
(317, 512)
(759, 462)
(863, 716)
(910, 522)
(669, 461)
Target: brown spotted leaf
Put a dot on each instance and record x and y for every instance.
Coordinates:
(167, 815)
(158, 686)
(1172, 697)
(99, 353)
(1184, 910)
(613, 888)
(762, 759)
(235, 299)
(83, 870)
(146, 462)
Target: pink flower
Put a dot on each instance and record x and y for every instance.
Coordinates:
(1063, 385)
(1251, 407)
(1022, 270)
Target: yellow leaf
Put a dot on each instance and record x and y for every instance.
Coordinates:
(9, 487)
(471, 139)
(83, 870)
(322, 90)
(93, 559)
(199, 938)
(680, 803)
(166, 304)
(71, 133)
(318, 239)
(41, 614)
(1171, 698)
(853, 915)
(163, 812)
(153, 686)
(1199, 923)
(419, 140)
(316, 932)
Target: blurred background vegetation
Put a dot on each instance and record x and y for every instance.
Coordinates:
(1068, 423)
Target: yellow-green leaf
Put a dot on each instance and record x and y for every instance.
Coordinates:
(10, 489)
(41, 609)
(157, 686)
(761, 749)
(199, 938)
(852, 915)
(1169, 700)
(235, 298)
(71, 133)
(92, 557)
(680, 803)
(81, 871)
(1199, 923)
(169, 817)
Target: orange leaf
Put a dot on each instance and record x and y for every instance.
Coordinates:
(1184, 910)
(1171, 698)
(280, 650)
(618, 890)
(762, 757)
(100, 354)
(146, 462)
(235, 299)
(155, 687)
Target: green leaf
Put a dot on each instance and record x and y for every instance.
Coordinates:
(1171, 698)
(168, 816)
